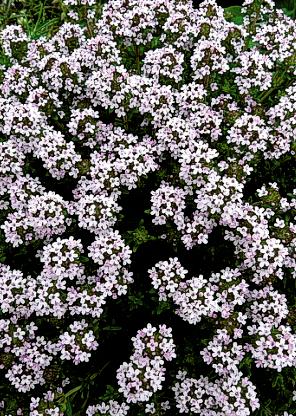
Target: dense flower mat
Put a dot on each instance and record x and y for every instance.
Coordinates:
(189, 108)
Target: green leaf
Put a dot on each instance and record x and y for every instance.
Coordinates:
(73, 391)
(84, 259)
(68, 409)
(112, 328)
(111, 393)
(289, 13)
(155, 42)
(136, 300)
(234, 14)
(135, 238)
(162, 307)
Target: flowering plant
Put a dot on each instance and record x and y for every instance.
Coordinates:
(135, 125)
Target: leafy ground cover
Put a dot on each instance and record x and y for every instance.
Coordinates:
(147, 195)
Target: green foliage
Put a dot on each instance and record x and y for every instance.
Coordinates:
(135, 238)
(39, 18)
(234, 14)
(288, 6)
(111, 393)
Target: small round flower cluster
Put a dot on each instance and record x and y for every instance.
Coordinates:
(248, 135)
(61, 267)
(110, 408)
(253, 70)
(59, 157)
(282, 118)
(268, 36)
(84, 125)
(144, 20)
(112, 256)
(43, 216)
(277, 350)
(27, 371)
(122, 160)
(214, 53)
(22, 189)
(75, 344)
(175, 136)
(163, 64)
(234, 396)
(25, 355)
(60, 261)
(267, 308)
(68, 38)
(96, 213)
(265, 256)
(166, 277)
(168, 202)
(13, 38)
(144, 374)
(223, 353)
(40, 406)
(16, 293)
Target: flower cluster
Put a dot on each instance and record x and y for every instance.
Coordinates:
(198, 297)
(234, 396)
(144, 374)
(76, 344)
(42, 217)
(111, 408)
